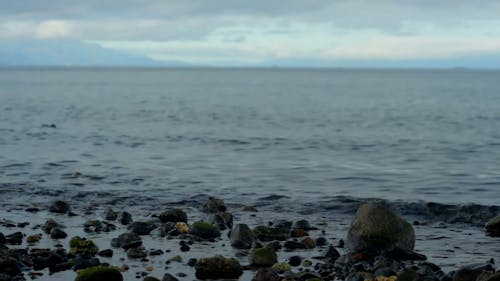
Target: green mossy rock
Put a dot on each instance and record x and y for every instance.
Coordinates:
(78, 245)
(264, 257)
(99, 273)
(204, 230)
(218, 267)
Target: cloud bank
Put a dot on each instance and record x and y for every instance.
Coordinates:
(233, 32)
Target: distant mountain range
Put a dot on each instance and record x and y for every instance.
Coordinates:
(64, 52)
(67, 52)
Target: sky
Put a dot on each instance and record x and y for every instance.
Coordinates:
(248, 32)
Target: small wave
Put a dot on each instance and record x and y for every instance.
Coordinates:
(474, 214)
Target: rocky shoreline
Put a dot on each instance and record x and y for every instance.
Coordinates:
(219, 241)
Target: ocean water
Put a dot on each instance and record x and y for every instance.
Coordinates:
(431, 135)
(295, 143)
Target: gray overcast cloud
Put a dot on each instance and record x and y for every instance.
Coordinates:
(260, 30)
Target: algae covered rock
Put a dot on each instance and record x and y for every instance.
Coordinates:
(99, 273)
(376, 229)
(218, 267)
(264, 257)
(204, 230)
(78, 245)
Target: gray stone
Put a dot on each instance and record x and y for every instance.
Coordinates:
(241, 237)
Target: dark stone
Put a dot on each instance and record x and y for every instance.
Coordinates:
(32, 209)
(384, 271)
(276, 245)
(142, 227)
(223, 220)
(489, 276)
(169, 277)
(84, 261)
(110, 215)
(156, 252)
(295, 260)
(9, 266)
(214, 205)
(173, 215)
(472, 271)
(266, 274)
(404, 255)
(191, 262)
(93, 226)
(332, 253)
(57, 233)
(127, 240)
(105, 253)
(301, 224)
(49, 224)
(265, 233)
(135, 253)
(15, 238)
(241, 237)
(292, 245)
(408, 274)
(150, 278)
(321, 241)
(218, 267)
(60, 207)
(493, 227)
(2, 239)
(284, 224)
(125, 218)
(376, 228)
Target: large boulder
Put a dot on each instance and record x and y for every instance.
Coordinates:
(377, 229)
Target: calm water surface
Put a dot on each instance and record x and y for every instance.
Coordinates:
(307, 134)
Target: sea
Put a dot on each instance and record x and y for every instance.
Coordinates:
(302, 141)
